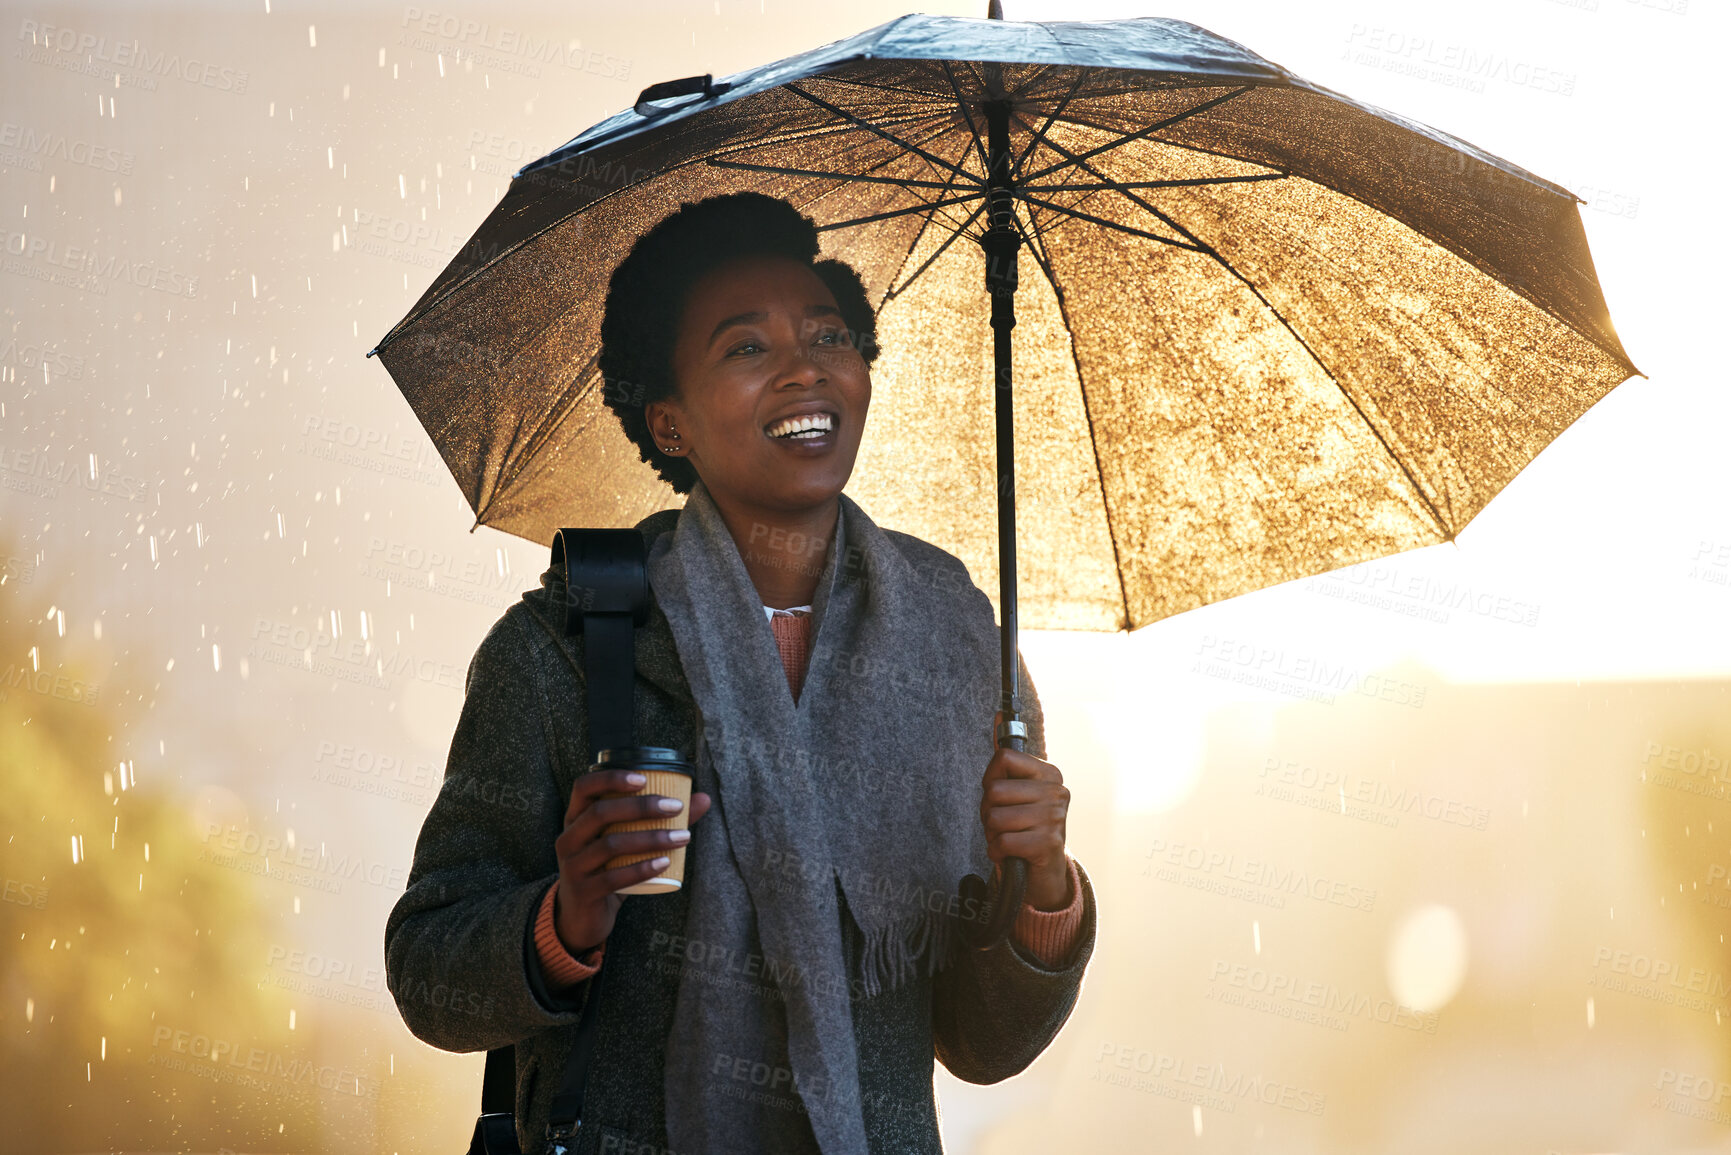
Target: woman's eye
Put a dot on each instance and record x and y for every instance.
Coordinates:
(833, 337)
(747, 347)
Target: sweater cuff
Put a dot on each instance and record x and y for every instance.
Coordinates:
(562, 969)
(1049, 934)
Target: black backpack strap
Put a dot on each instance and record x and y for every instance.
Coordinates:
(606, 596)
(606, 599)
(566, 1113)
(499, 1083)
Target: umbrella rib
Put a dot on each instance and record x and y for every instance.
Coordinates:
(946, 186)
(884, 216)
(1186, 146)
(1186, 182)
(897, 290)
(914, 245)
(1051, 119)
(1032, 232)
(1104, 223)
(538, 437)
(859, 176)
(934, 161)
(1137, 135)
(1031, 79)
(1043, 259)
(979, 145)
(1436, 515)
(1203, 247)
(843, 176)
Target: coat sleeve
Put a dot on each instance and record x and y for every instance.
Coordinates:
(460, 954)
(994, 1011)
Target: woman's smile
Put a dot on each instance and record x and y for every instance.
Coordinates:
(808, 428)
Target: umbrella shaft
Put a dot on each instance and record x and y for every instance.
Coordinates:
(1000, 243)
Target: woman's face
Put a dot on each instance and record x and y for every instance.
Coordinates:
(762, 341)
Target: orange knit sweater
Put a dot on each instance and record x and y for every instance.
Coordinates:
(1048, 935)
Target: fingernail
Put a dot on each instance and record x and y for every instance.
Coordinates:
(636, 779)
(661, 862)
(671, 805)
(679, 836)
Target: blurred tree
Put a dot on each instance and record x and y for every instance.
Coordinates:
(127, 952)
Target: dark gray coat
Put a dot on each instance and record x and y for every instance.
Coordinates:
(459, 949)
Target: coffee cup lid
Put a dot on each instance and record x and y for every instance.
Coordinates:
(642, 758)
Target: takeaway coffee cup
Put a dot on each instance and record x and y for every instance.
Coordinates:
(668, 774)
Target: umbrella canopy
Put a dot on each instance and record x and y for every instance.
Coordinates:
(1264, 331)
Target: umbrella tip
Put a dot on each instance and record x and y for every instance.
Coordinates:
(994, 10)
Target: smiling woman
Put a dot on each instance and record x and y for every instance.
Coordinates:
(793, 994)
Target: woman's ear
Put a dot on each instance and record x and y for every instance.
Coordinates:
(664, 428)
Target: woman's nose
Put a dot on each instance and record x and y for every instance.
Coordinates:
(801, 366)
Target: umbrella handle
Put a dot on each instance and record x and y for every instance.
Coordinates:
(1004, 903)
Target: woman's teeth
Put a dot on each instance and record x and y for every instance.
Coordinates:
(803, 428)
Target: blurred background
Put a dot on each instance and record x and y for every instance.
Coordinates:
(1430, 854)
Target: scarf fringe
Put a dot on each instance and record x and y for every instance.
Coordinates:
(893, 951)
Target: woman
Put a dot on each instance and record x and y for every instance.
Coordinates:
(793, 994)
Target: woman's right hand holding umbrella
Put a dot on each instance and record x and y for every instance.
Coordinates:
(586, 904)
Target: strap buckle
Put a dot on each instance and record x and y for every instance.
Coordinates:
(562, 1139)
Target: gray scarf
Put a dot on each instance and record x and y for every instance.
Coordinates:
(843, 824)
